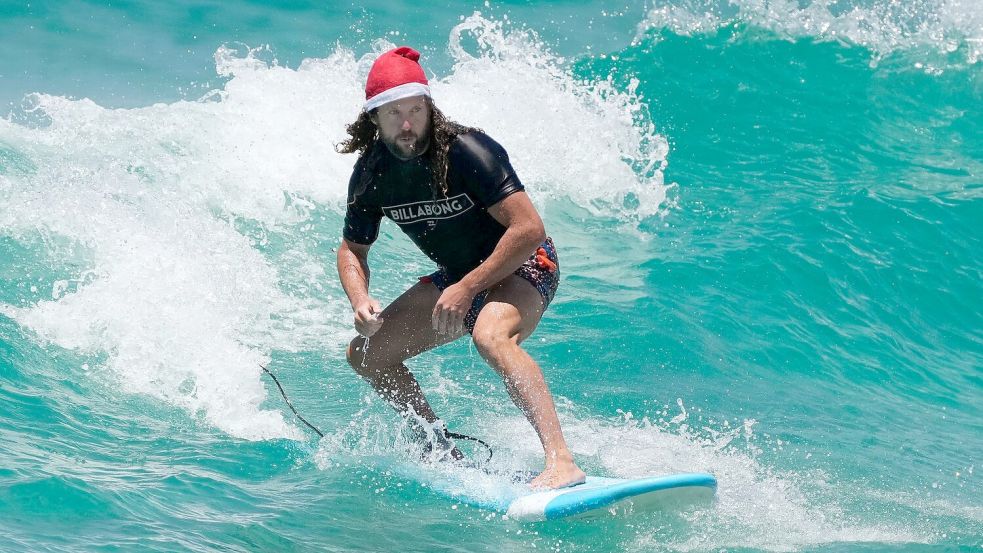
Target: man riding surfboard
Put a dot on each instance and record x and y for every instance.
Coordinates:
(452, 190)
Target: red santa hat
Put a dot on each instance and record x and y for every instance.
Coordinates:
(395, 75)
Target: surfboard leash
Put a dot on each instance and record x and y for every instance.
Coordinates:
(447, 433)
(456, 436)
(291, 405)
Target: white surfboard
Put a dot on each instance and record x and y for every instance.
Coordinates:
(599, 494)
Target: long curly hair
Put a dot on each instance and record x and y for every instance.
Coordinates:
(364, 139)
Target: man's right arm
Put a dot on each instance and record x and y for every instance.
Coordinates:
(353, 270)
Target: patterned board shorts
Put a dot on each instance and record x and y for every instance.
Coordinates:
(542, 270)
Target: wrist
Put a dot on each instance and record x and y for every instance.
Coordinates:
(358, 302)
(468, 285)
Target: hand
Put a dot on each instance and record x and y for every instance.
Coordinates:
(452, 305)
(367, 320)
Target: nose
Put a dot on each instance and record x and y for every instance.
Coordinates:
(406, 125)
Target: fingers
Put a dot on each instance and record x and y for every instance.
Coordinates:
(447, 321)
(457, 325)
(367, 329)
(451, 309)
(439, 318)
(365, 315)
(370, 328)
(367, 319)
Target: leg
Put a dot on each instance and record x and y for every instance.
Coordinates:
(407, 331)
(510, 315)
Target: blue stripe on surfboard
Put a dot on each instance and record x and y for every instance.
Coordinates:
(579, 501)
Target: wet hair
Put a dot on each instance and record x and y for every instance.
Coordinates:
(364, 138)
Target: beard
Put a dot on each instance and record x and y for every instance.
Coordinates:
(407, 149)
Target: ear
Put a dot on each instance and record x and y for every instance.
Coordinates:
(374, 117)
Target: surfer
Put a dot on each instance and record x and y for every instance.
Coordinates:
(452, 190)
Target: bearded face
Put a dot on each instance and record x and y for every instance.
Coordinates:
(404, 126)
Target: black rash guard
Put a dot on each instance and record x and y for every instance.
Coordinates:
(456, 232)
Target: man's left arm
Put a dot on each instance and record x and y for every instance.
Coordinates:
(524, 232)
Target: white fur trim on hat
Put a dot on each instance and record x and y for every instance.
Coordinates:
(396, 93)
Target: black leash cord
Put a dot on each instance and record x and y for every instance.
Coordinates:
(456, 436)
(284, 394)
(449, 434)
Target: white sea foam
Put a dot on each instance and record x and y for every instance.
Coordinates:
(587, 141)
(195, 231)
(757, 506)
(885, 27)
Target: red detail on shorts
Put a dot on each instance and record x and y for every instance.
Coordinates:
(543, 261)
(426, 279)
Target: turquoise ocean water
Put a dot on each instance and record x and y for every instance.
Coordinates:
(769, 220)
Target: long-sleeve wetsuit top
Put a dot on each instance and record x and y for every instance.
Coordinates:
(456, 232)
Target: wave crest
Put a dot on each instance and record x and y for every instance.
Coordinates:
(925, 27)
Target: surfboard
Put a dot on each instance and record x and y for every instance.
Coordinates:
(599, 494)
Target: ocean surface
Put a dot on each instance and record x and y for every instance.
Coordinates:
(769, 215)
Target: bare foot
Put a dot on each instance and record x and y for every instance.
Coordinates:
(560, 475)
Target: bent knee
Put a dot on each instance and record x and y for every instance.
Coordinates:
(492, 343)
(369, 361)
